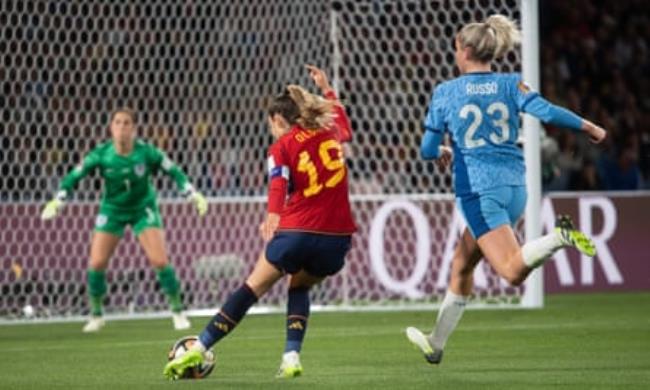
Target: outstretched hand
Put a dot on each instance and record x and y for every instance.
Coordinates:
(445, 156)
(319, 77)
(200, 203)
(51, 209)
(596, 133)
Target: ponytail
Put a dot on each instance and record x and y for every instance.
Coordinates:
(316, 112)
(299, 107)
(491, 39)
(507, 34)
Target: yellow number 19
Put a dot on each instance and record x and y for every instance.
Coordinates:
(335, 164)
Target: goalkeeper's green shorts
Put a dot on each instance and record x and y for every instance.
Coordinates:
(110, 220)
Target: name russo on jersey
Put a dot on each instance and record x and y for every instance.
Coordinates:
(491, 88)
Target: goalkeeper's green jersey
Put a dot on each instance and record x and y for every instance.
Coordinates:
(127, 179)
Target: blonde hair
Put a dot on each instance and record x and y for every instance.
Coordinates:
(315, 112)
(491, 39)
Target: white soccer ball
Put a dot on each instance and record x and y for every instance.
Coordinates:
(183, 345)
(28, 311)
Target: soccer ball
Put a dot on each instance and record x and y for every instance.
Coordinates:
(28, 311)
(183, 345)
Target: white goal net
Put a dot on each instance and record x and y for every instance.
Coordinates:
(199, 73)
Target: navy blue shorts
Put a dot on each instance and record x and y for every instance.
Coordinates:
(318, 254)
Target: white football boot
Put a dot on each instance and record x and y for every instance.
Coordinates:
(290, 367)
(94, 324)
(180, 321)
(433, 356)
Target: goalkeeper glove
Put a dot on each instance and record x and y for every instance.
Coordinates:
(197, 199)
(53, 207)
(200, 203)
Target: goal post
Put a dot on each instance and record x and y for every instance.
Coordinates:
(199, 74)
(532, 130)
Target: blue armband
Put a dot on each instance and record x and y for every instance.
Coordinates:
(550, 113)
(430, 142)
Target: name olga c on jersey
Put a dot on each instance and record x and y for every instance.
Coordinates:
(490, 88)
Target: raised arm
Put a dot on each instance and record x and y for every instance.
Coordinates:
(87, 166)
(69, 183)
(160, 161)
(548, 112)
(534, 104)
(341, 120)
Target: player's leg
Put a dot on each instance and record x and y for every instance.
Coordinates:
(261, 279)
(538, 251)
(152, 241)
(500, 245)
(108, 231)
(503, 252)
(298, 308)
(480, 212)
(514, 263)
(466, 257)
(148, 227)
(490, 217)
(316, 256)
(101, 249)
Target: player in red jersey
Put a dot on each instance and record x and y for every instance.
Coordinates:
(308, 234)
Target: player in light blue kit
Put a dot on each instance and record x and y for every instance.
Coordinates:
(480, 110)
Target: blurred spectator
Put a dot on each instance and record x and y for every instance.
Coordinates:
(586, 179)
(595, 61)
(620, 170)
(62, 74)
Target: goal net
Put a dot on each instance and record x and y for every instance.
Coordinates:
(199, 73)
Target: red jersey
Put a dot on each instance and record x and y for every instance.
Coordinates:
(309, 165)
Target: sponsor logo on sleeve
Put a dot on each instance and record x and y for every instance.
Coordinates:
(101, 220)
(523, 87)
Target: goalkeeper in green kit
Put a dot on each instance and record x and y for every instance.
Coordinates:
(126, 164)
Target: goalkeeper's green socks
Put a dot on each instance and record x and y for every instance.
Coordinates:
(171, 286)
(96, 291)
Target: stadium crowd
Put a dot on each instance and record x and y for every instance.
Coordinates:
(607, 41)
(581, 41)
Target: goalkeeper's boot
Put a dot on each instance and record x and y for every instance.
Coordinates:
(417, 338)
(177, 367)
(94, 324)
(180, 321)
(572, 237)
(290, 367)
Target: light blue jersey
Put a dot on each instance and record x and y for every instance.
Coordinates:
(481, 113)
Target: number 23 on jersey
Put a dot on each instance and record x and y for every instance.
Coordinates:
(336, 165)
(498, 115)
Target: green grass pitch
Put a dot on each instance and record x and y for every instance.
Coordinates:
(586, 341)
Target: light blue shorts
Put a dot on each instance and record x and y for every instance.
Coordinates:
(492, 208)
